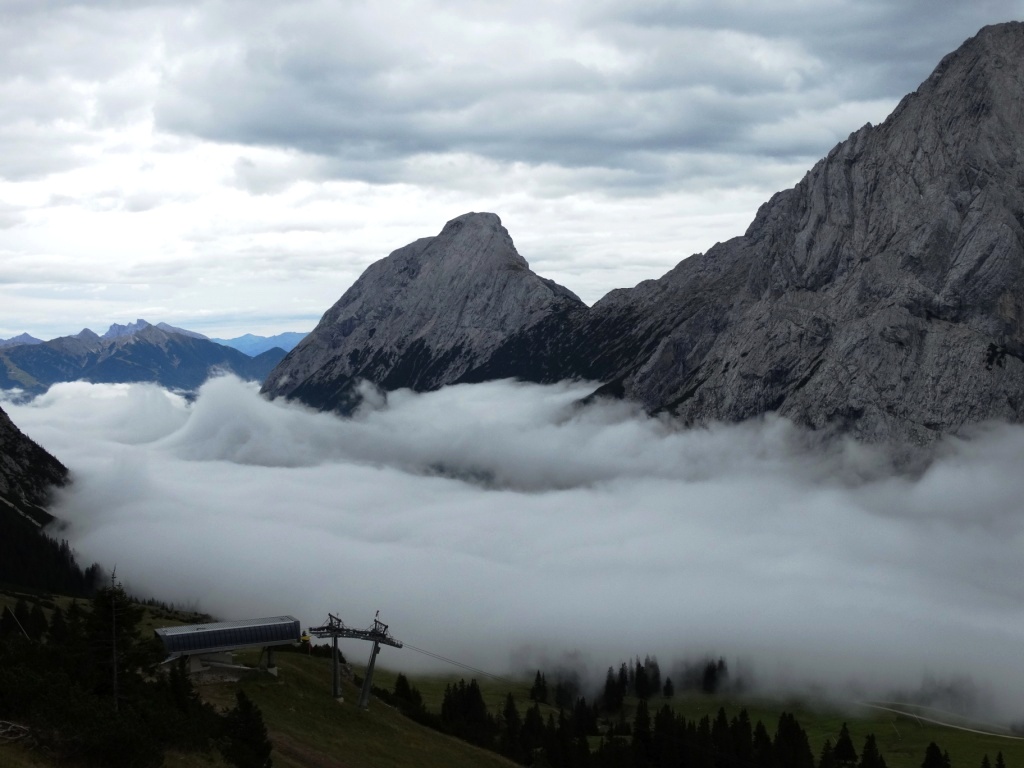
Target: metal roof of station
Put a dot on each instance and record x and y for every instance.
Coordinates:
(214, 637)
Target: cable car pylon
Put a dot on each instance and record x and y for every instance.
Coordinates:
(377, 634)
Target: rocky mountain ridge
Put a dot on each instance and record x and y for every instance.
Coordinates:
(146, 353)
(882, 296)
(423, 317)
(27, 474)
(253, 345)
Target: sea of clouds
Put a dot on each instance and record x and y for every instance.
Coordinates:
(503, 526)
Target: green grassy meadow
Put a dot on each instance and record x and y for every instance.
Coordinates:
(308, 728)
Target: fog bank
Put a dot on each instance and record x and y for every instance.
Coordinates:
(499, 525)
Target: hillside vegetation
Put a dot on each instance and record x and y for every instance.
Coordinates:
(56, 708)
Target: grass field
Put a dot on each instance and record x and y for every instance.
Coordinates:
(309, 729)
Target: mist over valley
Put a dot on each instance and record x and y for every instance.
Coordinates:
(503, 526)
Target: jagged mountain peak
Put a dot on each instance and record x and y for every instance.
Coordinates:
(427, 313)
(116, 330)
(882, 296)
(21, 338)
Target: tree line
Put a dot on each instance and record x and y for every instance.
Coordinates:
(598, 735)
(33, 560)
(92, 692)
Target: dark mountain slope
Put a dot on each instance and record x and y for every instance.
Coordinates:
(881, 296)
(868, 296)
(27, 474)
(150, 354)
(423, 316)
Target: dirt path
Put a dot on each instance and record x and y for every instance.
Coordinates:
(891, 706)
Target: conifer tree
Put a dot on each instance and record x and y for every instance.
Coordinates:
(870, 757)
(641, 682)
(844, 752)
(247, 744)
(763, 751)
(512, 731)
(985, 761)
(721, 738)
(533, 730)
(653, 673)
(791, 747)
(827, 759)
(667, 738)
(933, 756)
(999, 760)
(539, 690)
(742, 735)
(668, 690)
(642, 735)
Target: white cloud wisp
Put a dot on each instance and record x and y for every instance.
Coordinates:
(500, 525)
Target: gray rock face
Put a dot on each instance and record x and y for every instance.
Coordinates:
(27, 474)
(883, 296)
(422, 317)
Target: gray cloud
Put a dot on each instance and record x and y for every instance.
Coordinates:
(608, 85)
(611, 85)
(497, 524)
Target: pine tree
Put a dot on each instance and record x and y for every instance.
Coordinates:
(764, 756)
(642, 735)
(247, 744)
(791, 747)
(999, 760)
(870, 757)
(533, 730)
(828, 756)
(933, 756)
(985, 762)
(667, 738)
(641, 682)
(539, 690)
(622, 681)
(653, 673)
(118, 658)
(668, 690)
(721, 738)
(512, 733)
(844, 752)
(742, 735)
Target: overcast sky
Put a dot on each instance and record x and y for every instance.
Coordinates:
(498, 525)
(233, 166)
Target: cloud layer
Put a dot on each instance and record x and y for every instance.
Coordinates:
(500, 525)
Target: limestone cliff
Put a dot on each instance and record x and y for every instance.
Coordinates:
(422, 317)
(882, 296)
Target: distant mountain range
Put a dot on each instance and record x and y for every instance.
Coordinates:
(136, 352)
(882, 297)
(255, 345)
(250, 344)
(22, 338)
